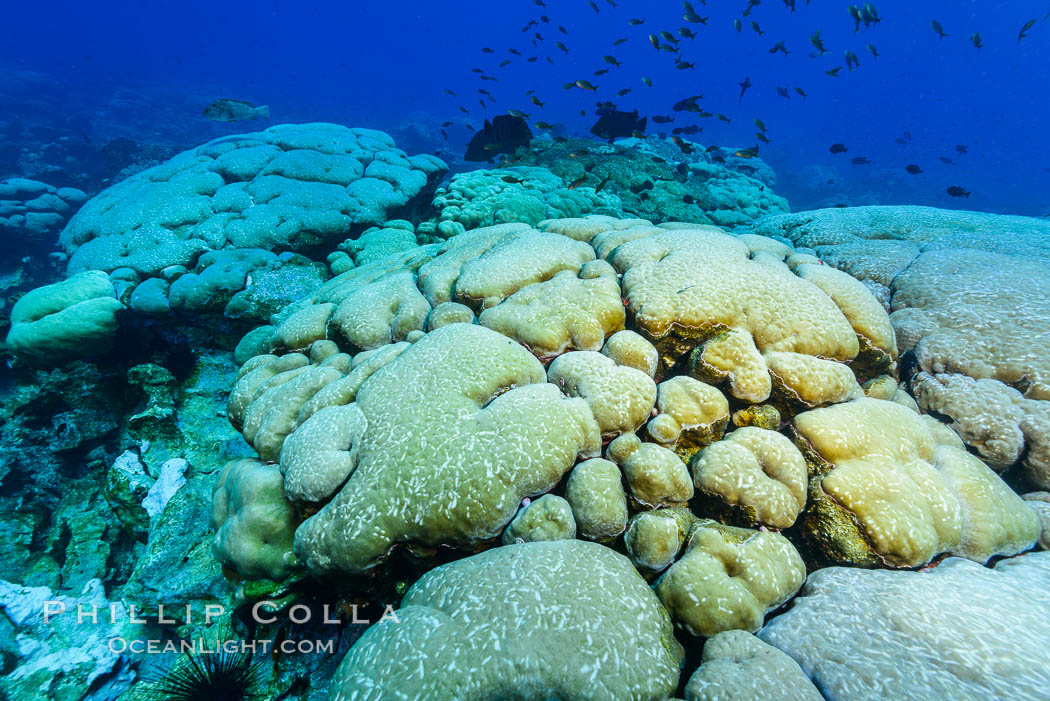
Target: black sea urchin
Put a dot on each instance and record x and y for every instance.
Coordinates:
(218, 676)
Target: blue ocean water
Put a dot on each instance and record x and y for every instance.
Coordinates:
(94, 72)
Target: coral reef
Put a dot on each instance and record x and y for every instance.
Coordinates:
(525, 194)
(968, 294)
(656, 180)
(290, 186)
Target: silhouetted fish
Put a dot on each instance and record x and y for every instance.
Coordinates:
(504, 134)
(615, 123)
(956, 191)
(838, 148)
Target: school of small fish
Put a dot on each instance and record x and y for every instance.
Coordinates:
(614, 122)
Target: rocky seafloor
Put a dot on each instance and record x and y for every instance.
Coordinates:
(352, 428)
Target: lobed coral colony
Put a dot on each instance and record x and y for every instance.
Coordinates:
(578, 444)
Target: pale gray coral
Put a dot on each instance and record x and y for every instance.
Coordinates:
(956, 631)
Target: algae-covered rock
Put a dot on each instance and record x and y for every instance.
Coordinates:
(566, 619)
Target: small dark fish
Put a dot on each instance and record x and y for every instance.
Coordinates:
(956, 191)
(872, 50)
(543, 125)
(838, 148)
(854, 12)
(900, 140)
(936, 26)
(449, 92)
(623, 92)
(621, 40)
(514, 51)
(737, 24)
(536, 101)
(760, 125)
(654, 42)
(750, 6)
(962, 148)
(783, 92)
(662, 119)
(817, 42)
(976, 40)
(744, 87)
(602, 184)
(235, 111)
(758, 30)
(834, 72)
(688, 131)
(779, 46)
(681, 168)
(464, 110)
(594, 6)
(635, 22)
(506, 63)
(512, 180)
(533, 59)
(586, 85)
(688, 199)
(860, 161)
(641, 187)
(561, 46)
(747, 152)
(947, 161)
(487, 50)
(801, 92)
(1024, 30)
(601, 71)
(444, 134)
(687, 33)
(446, 124)
(680, 143)
(579, 153)
(664, 34)
(577, 182)
(913, 169)
(682, 65)
(545, 19)
(870, 13)
(851, 60)
(647, 81)
(562, 29)
(477, 70)
(721, 117)
(762, 137)
(611, 60)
